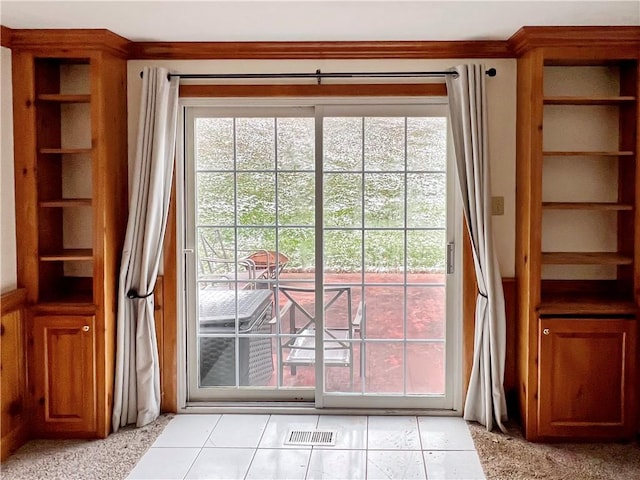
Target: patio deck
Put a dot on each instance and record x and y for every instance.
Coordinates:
(384, 357)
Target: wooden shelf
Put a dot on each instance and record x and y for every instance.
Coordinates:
(588, 154)
(65, 151)
(585, 258)
(588, 100)
(586, 306)
(63, 98)
(586, 206)
(67, 255)
(67, 202)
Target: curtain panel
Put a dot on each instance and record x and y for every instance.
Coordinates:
(137, 375)
(485, 401)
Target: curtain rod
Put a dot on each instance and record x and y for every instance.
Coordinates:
(491, 72)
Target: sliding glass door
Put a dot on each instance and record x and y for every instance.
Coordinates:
(385, 195)
(314, 245)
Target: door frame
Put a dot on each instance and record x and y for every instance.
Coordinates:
(454, 329)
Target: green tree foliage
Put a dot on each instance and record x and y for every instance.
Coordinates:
(257, 174)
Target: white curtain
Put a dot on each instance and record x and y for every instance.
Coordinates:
(468, 112)
(137, 376)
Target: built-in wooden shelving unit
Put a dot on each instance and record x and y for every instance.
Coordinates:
(578, 231)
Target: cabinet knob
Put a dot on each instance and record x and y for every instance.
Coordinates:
(85, 328)
(546, 331)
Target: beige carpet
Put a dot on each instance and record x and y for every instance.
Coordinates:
(109, 459)
(510, 457)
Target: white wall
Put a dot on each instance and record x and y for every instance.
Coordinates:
(7, 198)
(502, 116)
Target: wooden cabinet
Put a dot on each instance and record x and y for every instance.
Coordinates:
(587, 368)
(64, 377)
(70, 142)
(578, 228)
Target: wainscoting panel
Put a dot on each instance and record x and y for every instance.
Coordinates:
(14, 417)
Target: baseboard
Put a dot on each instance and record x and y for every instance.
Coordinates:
(12, 441)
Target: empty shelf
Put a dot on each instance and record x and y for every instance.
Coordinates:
(70, 254)
(585, 258)
(67, 202)
(586, 206)
(64, 98)
(624, 153)
(588, 100)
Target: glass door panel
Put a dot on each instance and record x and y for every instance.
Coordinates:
(249, 193)
(385, 233)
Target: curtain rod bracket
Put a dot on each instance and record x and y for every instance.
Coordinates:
(319, 75)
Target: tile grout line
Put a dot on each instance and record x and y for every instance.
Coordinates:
(306, 472)
(422, 454)
(255, 451)
(366, 451)
(311, 450)
(202, 447)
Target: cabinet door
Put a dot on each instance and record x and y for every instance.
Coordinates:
(585, 380)
(64, 373)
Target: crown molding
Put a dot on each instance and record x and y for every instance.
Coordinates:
(625, 40)
(527, 38)
(64, 40)
(318, 50)
(5, 36)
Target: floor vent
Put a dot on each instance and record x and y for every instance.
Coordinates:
(310, 437)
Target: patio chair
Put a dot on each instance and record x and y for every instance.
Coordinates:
(299, 349)
(218, 266)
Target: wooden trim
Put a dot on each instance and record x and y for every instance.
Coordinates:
(25, 146)
(319, 50)
(13, 300)
(330, 90)
(469, 296)
(626, 38)
(69, 42)
(169, 353)
(5, 36)
(102, 39)
(509, 287)
(158, 316)
(169, 348)
(13, 441)
(14, 416)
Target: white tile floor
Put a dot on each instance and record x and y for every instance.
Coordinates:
(252, 447)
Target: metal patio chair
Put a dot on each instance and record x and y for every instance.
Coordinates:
(298, 350)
